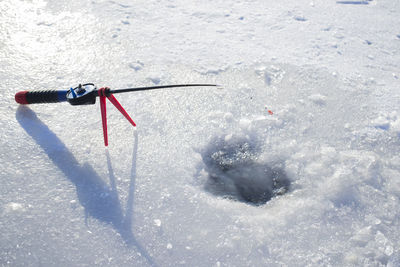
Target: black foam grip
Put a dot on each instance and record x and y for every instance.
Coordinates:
(46, 96)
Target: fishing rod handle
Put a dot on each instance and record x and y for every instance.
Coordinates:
(43, 96)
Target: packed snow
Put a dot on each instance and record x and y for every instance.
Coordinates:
(292, 161)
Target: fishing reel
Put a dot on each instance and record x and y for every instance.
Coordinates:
(83, 94)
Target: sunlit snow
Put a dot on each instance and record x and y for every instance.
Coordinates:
(292, 161)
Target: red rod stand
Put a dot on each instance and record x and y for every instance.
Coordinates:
(114, 101)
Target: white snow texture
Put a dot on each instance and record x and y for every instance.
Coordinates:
(293, 161)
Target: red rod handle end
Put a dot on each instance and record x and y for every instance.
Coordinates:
(20, 97)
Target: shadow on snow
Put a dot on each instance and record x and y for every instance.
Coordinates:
(99, 200)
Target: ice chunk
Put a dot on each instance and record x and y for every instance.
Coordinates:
(362, 237)
(318, 99)
(14, 206)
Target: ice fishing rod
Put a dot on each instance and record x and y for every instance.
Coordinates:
(86, 94)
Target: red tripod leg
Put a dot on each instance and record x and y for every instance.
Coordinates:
(103, 115)
(121, 109)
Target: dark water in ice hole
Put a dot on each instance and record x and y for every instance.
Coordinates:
(234, 172)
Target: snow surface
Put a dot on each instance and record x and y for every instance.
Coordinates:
(210, 177)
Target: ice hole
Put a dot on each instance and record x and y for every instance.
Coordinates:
(235, 172)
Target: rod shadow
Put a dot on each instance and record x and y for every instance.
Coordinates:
(99, 200)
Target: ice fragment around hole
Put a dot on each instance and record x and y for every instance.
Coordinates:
(233, 171)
